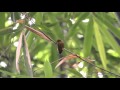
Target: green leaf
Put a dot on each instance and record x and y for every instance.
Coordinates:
(7, 30)
(2, 20)
(48, 69)
(2, 25)
(74, 26)
(57, 29)
(74, 72)
(100, 44)
(30, 39)
(54, 55)
(38, 17)
(15, 16)
(13, 74)
(110, 18)
(82, 27)
(88, 38)
(106, 22)
(109, 37)
(32, 13)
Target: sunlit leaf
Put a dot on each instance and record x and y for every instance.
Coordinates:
(113, 53)
(100, 45)
(109, 37)
(88, 38)
(48, 69)
(75, 72)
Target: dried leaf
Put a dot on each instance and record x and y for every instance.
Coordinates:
(20, 21)
(40, 33)
(71, 56)
(18, 51)
(27, 52)
(75, 65)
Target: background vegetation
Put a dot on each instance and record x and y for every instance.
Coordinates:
(94, 35)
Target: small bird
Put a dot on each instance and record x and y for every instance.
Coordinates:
(60, 45)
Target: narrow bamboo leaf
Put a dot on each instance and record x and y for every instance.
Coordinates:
(57, 27)
(74, 26)
(71, 56)
(18, 51)
(2, 19)
(2, 25)
(111, 17)
(109, 37)
(106, 22)
(54, 55)
(82, 27)
(100, 45)
(27, 57)
(32, 13)
(48, 69)
(88, 38)
(30, 39)
(40, 33)
(38, 17)
(7, 30)
(13, 74)
(74, 72)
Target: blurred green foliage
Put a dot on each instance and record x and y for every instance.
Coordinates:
(90, 34)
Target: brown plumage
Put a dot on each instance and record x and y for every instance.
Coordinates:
(60, 45)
